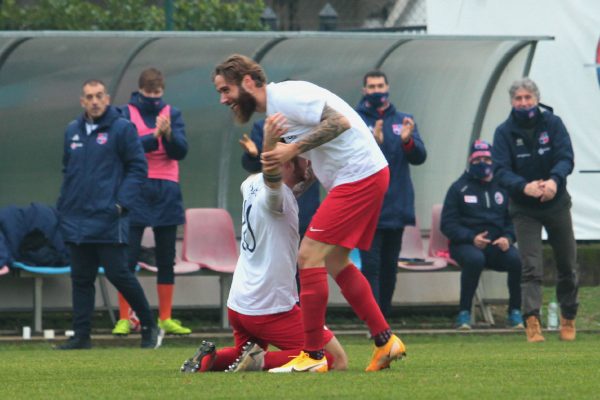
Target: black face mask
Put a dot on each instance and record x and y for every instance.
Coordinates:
(376, 100)
(480, 170)
(150, 105)
(526, 117)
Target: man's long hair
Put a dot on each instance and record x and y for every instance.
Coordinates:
(236, 66)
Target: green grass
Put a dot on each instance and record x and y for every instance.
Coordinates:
(437, 367)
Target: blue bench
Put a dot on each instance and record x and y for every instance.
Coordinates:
(39, 273)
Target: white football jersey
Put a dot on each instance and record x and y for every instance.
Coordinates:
(350, 157)
(264, 281)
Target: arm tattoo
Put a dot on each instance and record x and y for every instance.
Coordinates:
(332, 125)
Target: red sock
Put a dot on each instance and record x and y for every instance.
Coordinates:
(313, 302)
(222, 360)
(165, 300)
(357, 292)
(123, 307)
(274, 359)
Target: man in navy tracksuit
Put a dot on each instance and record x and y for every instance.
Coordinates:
(399, 140)
(476, 220)
(103, 166)
(532, 158)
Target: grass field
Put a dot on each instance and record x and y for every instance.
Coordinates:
(437, 367)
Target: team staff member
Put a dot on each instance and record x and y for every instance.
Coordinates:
(160, 205)
(533, 157)
(475, 218)
(103, 167)
(399, 140)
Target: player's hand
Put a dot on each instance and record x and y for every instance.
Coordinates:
(275, 127)
(282, 153)
(163, 127)
(378, 131)
(534, 189)
(548, 189)
(408, 127)
(481, 241)
(502, 242)
(249, 146)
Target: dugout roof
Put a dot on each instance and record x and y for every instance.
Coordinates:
(455, 86)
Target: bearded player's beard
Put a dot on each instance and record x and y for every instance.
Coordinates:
(245, 107)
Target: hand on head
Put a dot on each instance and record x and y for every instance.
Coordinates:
(275, 127)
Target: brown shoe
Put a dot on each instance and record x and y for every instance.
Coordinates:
(533, 330)
(567, 329)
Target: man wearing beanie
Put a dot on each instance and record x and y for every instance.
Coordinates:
(476, 220)
(532, 158)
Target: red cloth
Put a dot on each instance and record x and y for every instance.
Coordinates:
(283, 330)
(313, 298)
(356, 290)
(349, 214)
(123, 307)
(165, 300)
(160, 166)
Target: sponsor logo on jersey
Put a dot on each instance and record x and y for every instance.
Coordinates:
(313, 229)
(75, 145)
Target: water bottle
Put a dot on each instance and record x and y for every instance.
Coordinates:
(553, 315)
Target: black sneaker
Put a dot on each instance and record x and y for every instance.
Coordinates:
(193, 364)
(75, 343)
(150, 337)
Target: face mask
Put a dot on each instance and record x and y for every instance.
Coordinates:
(376, 100)
(480, 170)
(527, 114)
(151, 104)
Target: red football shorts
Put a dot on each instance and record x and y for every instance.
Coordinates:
(284, 330)
(349, 214)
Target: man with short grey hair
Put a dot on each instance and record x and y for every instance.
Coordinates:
(532, 158)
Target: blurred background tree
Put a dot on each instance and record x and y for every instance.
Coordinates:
(131, 15)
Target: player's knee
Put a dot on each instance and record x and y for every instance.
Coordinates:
(309, 256)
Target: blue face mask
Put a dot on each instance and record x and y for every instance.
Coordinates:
(151, 105)
(480, 170)
(376, 100)
(527, 114)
